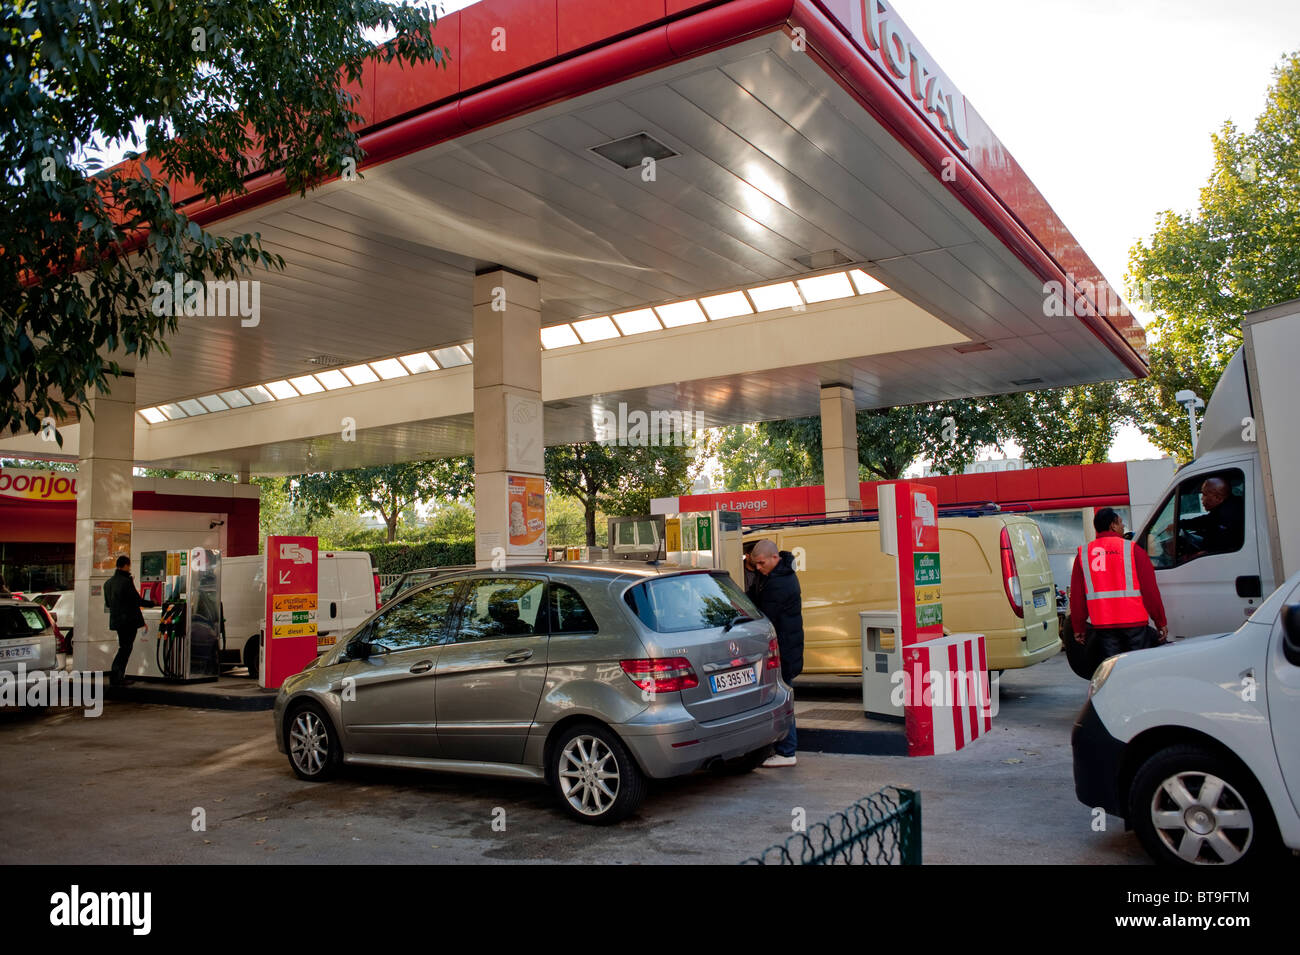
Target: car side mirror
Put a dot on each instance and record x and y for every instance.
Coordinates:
(1291, 633)
(1128, 535)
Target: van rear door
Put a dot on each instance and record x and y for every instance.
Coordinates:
(1037, 586)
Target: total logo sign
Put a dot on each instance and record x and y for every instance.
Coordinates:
(909, 67)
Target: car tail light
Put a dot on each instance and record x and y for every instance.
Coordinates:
(375, 574)
(661, 674)
(60, 641)
(773, 654)
(1010, 577)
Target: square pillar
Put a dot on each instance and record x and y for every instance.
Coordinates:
(104, 498)
(840, 448)
(509, 462)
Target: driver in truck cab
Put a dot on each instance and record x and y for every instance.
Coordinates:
(1119, 584)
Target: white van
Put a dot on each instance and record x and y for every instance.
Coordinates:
(347, 593)
(1194, 745)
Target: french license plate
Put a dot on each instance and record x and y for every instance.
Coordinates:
(733, 679)
(1040, 599)
(30, 651)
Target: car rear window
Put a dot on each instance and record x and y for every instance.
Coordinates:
(689, 602)
(18, 622)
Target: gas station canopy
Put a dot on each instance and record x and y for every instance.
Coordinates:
(726, 207)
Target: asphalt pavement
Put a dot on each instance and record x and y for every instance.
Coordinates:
(146, 783)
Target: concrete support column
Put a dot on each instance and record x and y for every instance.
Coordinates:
(104, 496)
(508, 440)
(244, 476)
(840, 448)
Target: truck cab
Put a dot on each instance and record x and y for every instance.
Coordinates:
(1220, 535)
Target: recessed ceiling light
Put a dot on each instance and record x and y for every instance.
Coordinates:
(333, 379)
(192, 407)
(1027, 381)
(451, 357)
(389, 368)
(235, 399)
(680, 313)
(153, 416)
(823, 288)
(972, 347)
(596, 329)
(865, 283)
(727, 305)
(281, 389)
(257, 394)
(630, 151)
(636, 322)
(360, 374)
(418, 363)
(780, 295)
(306, 385)
(558, 336)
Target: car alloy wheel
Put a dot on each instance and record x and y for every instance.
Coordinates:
(309, 744)
(588, 775)
(1202, 819)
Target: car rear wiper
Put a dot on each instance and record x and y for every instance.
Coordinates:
(738, 618)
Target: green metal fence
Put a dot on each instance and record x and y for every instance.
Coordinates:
(881, 829)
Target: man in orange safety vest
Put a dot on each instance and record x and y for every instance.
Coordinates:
(1113, 587)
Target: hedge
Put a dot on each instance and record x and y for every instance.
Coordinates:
(399, 557)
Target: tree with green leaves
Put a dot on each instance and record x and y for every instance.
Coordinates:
(1201, 272)
(388, 489)
(948, 433)
(1059, 426)
(213, 92)
(618, 479)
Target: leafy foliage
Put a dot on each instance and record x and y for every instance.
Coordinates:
(1240, 251)
(617, 479)
(399, 557)
(388, 489)
(214, 91)
(1064, 425)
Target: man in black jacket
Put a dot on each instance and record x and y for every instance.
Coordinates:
(776, 593)
(123, 603)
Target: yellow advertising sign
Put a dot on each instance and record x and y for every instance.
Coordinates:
(927, 595)
(295, 630)
(287, 602)
(673, 534)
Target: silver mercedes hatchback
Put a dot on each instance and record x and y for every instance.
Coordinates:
(591, 678)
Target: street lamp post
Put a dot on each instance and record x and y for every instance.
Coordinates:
(1192, 403)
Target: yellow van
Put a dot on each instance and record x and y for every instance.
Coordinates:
(996, 581)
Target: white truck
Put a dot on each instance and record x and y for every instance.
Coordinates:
(1215, 564)
(347, 589)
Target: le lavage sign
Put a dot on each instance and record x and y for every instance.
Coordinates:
(291, 596)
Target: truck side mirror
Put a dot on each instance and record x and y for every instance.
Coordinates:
(1291, 633)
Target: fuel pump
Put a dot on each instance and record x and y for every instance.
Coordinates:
(186, 643)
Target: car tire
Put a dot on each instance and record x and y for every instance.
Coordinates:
(584, 762)
(313, 744)
(253, 656)
(1180, 822)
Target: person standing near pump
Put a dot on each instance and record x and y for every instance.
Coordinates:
(123, 603)
(1118, 584)
(776, 593)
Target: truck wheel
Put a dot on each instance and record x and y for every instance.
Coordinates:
(252, 656)
(1192, 807)
(594, 775)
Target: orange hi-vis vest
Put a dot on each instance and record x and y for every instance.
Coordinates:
(1114, 599)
